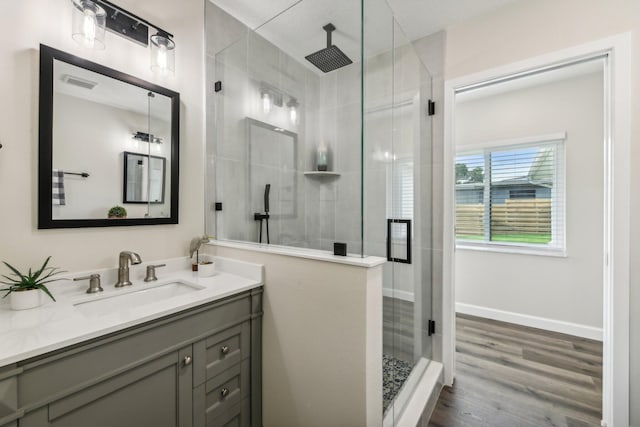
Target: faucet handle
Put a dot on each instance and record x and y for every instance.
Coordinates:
(94, 283)
(151, 272)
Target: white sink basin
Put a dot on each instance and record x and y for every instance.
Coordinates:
(134, 298)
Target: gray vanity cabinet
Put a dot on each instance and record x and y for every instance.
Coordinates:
(196, 368)
(9, 412)
(156, 393)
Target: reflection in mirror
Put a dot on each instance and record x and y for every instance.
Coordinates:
(89, 119)
(272, 160)
(144, 178)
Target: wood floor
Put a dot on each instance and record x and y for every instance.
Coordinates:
(513, 376)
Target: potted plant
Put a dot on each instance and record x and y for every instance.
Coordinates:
(24, 289)
(117, 212)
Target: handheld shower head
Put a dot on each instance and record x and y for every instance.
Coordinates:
(267, 188)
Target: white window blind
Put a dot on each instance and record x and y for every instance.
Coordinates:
(400, 196)
(401, 201)
(512, 195)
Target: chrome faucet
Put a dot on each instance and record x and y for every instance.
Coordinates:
(123, 267)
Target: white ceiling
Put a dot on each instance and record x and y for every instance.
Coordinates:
(419, 18)
(295, 26)
(109, 91)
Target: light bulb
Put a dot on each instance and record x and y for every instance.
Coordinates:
(89, 27)
(266, 103)
(162, 53)
(162, 57)
(293, 112)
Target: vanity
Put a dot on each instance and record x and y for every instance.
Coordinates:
(181, 357)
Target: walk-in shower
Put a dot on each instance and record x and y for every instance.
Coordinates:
(340, 140)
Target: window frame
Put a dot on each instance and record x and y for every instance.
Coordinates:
(558, 213)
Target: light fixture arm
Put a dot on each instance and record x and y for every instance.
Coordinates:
(117, 24)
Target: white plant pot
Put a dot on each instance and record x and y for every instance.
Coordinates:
(206, 270)
(23, 300)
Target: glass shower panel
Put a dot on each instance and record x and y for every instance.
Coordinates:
(397, 156)
(288, 134)
(410, 206)
(159, 160)
(227, 206)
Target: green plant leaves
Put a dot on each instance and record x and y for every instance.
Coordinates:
(31, 280)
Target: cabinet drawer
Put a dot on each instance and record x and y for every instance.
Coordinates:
(237, 416)
(9, 396)
(220, 351)
(67, 371)
(219, 398)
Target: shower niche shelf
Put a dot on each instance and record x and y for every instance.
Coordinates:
(328, 174)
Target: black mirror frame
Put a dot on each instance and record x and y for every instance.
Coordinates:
(45, 155)
(126, 170)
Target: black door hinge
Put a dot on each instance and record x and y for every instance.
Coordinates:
(431, 107)
(431, 327)
(217, 86)
(218, 206)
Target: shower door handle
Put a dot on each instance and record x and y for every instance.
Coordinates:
(407, 238)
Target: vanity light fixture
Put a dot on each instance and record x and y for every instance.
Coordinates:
(145, 137)
(88, 23)
(91, 17)
(293, 110)
(270, 97)
(163, 53)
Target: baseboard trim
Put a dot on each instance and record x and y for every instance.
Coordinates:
(396, 293)
(532, 321)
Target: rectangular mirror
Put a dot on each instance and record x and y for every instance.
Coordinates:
(106, 139)
(272, 160)
(144, 178)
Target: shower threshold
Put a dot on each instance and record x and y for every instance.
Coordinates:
(420, 389)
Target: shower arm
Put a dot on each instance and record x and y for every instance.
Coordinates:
(329, 28)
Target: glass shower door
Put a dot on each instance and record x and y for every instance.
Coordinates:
(159, 152)
(397, 158)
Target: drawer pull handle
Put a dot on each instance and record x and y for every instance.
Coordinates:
(224, 392)
(187, 360)
(224, 350)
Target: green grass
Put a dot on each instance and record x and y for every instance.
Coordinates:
(511, 238)
(522, 238)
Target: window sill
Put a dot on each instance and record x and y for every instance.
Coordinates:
(511, 249)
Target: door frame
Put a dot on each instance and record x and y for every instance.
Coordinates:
(617, 125)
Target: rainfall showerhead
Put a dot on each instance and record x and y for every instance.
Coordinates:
(331, 57)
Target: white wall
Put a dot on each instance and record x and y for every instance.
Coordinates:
(32, 22)
(532, 28)
(544, 286)
(321, 341)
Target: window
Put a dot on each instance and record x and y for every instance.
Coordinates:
(400, 187)
(511, 196)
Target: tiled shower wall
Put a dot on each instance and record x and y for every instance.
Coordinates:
(327, 209)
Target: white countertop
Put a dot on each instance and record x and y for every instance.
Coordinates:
(55, 325)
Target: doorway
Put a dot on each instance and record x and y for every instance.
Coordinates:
(615, 180)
